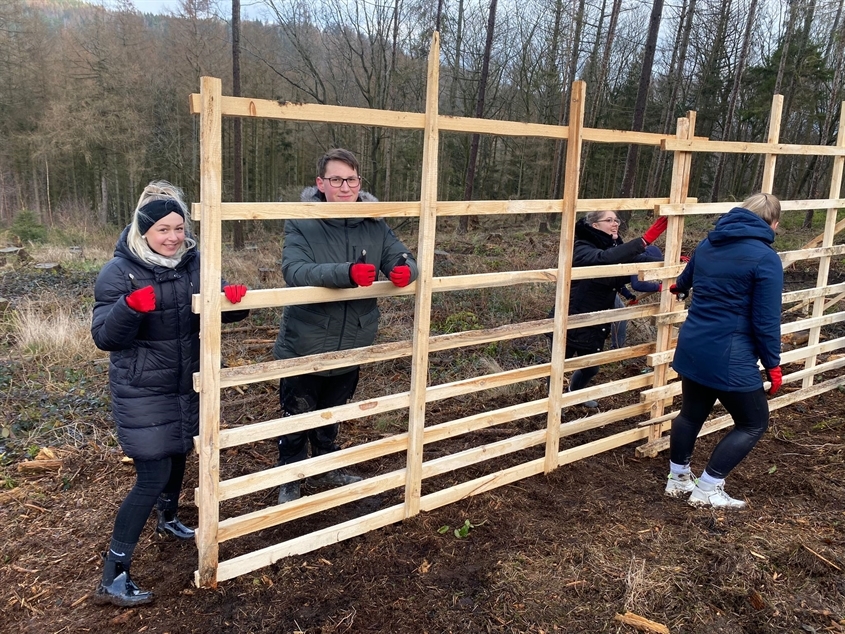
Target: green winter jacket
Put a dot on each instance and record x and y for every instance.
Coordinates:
(320, 252)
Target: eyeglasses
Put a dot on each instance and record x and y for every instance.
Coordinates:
(615, 221)
(337, 181)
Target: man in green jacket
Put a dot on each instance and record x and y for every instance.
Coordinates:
(333, 253)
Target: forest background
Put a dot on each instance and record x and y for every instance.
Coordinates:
(94, 99)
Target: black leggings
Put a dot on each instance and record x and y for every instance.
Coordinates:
(154, 478)
(750, 412)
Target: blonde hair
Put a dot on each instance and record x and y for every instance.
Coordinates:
(158, 190)
(766, 206)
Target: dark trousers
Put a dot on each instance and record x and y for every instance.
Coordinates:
(580, 378)
(749, 410)
(156, 481)
(306, 393)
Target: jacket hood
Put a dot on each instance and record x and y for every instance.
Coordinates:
(600, 239)
(313, 195)
(739, 224)
(122, 250)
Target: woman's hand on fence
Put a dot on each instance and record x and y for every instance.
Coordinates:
(677, 292)
(655, 230)
(234, 292)
(143, 300)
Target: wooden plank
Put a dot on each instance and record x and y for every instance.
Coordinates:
(770, 160)
(812, 350)
(626, 137)
(789, 257)
(500, 127)
(743, 147)
(827, 240)
(811, 293)
(316, 113)
(691, 208)
(249, 562)
(678, 189)
(211, 190)
(812, 322)
(269, 370)
(301, 210)
(422, 305)
(564, 266)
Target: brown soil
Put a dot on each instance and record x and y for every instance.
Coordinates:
(567, 553)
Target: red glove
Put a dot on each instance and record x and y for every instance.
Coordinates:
(400, 275)
(633, 302)
(143, 300)
(775, 375)
(677, 292)
(362, 274)
(234, 292)
(684, 259)
(655, 230)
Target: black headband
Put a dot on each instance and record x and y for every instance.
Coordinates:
(154, 211)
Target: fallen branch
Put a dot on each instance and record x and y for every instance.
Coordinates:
(641, 623)
(36, 466)
(829, 563)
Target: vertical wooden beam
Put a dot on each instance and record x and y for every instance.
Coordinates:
(571, 182)
(211, 188)
(770, 160)
(829, 233)
(679, 188)
(425, 262)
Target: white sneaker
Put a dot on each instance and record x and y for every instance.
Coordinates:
(713, 495)
(680, 485)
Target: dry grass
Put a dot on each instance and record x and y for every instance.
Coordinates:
(52, 330)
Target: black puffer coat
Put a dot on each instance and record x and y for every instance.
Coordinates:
(153, 355)
(594, 248)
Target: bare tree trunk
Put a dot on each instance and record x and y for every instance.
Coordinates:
(676, 77)
(729, 115)
(463, 224)
(237, 150)
(640, 105)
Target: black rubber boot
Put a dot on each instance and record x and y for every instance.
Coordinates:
(169, 524)
(118, 588)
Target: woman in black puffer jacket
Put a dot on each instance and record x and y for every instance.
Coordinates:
(597, 242)
(142, 316)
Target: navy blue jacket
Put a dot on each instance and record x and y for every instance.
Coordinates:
(734, 318)
(153, 355)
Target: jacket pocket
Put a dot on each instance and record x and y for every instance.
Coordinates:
(136, 370)
(367, 329)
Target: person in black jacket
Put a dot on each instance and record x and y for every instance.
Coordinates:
(733, 322)
(142, 316)
(597, 242)
(332, 253)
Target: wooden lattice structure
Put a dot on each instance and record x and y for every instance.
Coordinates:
(655, 390)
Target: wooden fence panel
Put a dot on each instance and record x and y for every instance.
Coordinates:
(539, 446)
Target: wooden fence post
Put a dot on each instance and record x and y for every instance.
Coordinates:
(422, 306)
(211, 188)
(564, 270)
(829, 233)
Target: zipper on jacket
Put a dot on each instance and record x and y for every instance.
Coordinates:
(345, 304)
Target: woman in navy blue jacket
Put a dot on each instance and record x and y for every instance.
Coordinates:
(733, 321)
(143, 317)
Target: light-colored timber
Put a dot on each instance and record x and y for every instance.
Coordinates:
(528, 431)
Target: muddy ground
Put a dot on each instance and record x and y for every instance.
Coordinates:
(567, 552)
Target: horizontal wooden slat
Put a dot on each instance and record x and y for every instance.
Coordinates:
(741, 147)
(693, 208)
